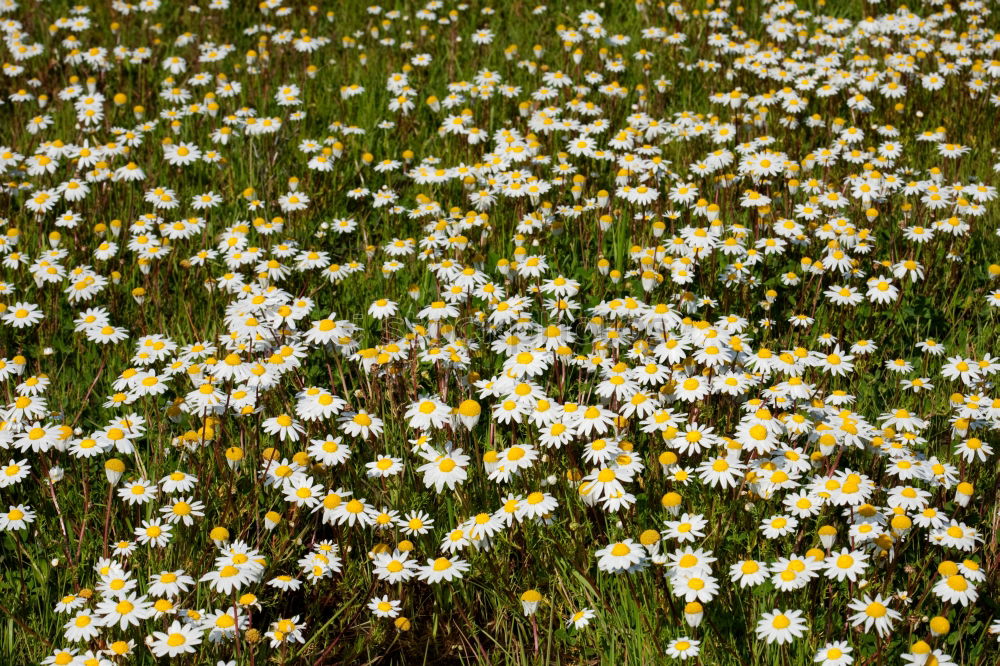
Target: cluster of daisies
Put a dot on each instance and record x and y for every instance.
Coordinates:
(340, 314)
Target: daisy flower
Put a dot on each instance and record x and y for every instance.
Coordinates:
(178, 639)
(620, 556)
(683, 648)
(836, 653)
(873, 613)
(442, 569)
(581, 618)
(781, 627)
(384, 607)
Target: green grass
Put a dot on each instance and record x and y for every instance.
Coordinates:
(479, 618)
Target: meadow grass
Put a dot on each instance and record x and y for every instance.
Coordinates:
(610, 245)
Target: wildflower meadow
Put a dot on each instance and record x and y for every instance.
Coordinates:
(447, 332)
